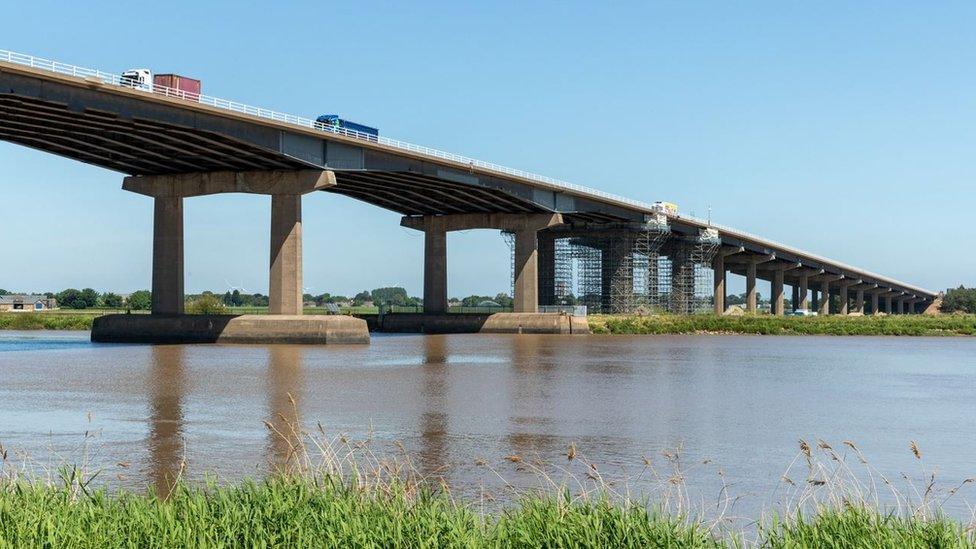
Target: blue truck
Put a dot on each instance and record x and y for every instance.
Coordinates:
(333, 121)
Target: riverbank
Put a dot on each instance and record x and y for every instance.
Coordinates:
(325, 512)
(895, 325)
(48, 321)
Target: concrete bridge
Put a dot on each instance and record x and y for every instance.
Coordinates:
(172, 146)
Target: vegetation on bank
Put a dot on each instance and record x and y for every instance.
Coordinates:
(894, 325)
(959, 299)
(46, 321)
(296, 511)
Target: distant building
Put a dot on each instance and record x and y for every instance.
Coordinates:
(20, 302)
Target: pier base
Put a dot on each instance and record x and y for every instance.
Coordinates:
(472, 323)
(308, 329)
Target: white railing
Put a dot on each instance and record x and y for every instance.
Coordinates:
(117, 80)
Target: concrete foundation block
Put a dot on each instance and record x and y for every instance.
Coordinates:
(303, 329)
(535, 323)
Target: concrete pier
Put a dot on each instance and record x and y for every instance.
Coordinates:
(777, 298)
(525, 227)
(167, 324)
(285, 286)
(526, 298)
(435, 269)
(167, 259)
(718, 283)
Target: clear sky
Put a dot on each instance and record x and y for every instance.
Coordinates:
(844, 128)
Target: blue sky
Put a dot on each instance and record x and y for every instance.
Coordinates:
(844, 128)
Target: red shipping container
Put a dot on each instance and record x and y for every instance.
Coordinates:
(168, 84)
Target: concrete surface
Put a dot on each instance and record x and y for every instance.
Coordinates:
(310, 329)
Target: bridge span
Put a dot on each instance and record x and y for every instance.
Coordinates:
(627, 257)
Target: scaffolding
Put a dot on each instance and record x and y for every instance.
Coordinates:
(691, 274)
(625, 268)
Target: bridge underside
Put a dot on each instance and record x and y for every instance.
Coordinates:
(617, 263)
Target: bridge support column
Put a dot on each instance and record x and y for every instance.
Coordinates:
(682, 280)
(874, 303)
(751, 287)
(824, 298)
(617, 275)
(718, 283)
(435, 268)
(804, 291)
(888, 308)
(901, 305)
(776, 303)
(844, 303)
(547, 269)
(526, 298)
(859, 301)
(285, 281)
(814, 300)
(167, 264)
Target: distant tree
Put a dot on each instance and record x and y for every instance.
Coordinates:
(235, 298)
(362, 297)
(71, 299)
(112, 300)
(140, 301)
(389, 296)
(4, 292)
(228, 298)
(90, 297)
(960, 299)
(503, 299)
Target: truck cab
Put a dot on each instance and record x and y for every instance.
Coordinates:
(140, 79)
(334, 123)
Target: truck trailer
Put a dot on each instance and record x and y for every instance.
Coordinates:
(171, 85)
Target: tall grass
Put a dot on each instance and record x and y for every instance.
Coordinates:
(897, 325)
(45, 321)
(333, 492)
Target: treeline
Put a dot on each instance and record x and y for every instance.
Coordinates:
(960, 299)
(88, 298)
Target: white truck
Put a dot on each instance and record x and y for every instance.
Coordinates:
(140, 79)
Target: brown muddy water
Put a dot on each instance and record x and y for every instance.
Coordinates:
(462, 405)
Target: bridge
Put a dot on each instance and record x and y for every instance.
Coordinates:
(624, 255)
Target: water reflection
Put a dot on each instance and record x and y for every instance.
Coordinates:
(285, 392)
(166, 387)
(533, 368)
(432, 458)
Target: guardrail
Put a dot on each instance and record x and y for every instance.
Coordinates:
(117, 80)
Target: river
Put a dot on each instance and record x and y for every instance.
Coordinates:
(483, 412)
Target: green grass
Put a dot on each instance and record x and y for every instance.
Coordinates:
(860, 527)
(897, 325)
(47, 321)
(290, 512)
(299, 512)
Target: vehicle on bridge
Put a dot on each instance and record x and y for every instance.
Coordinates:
(333, 122)
(665, 208)
(171, 85)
